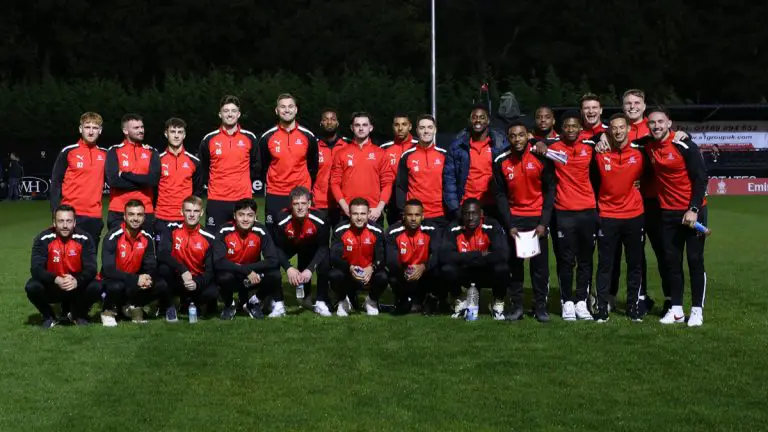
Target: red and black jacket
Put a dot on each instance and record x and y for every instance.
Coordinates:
(289, 159)
(420, 176)
(614, 174)
(188, 249)
(464, 248)
(132, 171)
(78, 178)
(243, 253)
(362, 248)
(53, 256)
(574, 187)
(322, 197)
(361, 172)
(525, 186)
(292, 234)
(590, 133)
(229, 164)
(179, 178)
(403, 249)
(124, 258)
(680, 173)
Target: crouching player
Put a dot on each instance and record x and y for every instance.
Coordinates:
(186, 259)
(63, 269)
(245, 260)
(412, 250)
(357, 260)
(129, 267)
(303, 232)
(475, 251)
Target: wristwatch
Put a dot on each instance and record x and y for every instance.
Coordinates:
(694, 209)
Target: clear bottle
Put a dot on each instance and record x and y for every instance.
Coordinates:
(192, 313)
(473, 302)
(300, 291)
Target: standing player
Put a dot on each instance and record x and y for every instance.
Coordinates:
(412, 249)
(289, 156)
(302, 232)
(420, 173)
(179, 176)
(576, 218)
(186, 259)
(682, 185)
(468, 168)
(63, 269)
(133, 171)
(620, 205)
(229, 163)
(591, 116)
(129, 269)
(78, 177)
(525, 194)
(245, 260)
(545, 124)
(393, 150)
(475, 251)
(360, 170)
(329, 143)
(357, 260)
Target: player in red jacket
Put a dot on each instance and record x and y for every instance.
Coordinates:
(393, 151)
(360, 170)
(357, 260)
(78, 177)
(329, 143)
(63, 269)
(129, 269)
(229, 163)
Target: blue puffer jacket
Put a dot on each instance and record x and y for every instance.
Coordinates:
(456, 167)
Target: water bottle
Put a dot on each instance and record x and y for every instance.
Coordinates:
(473, 302)
(192, 313)
(300, 291)
(702, 229)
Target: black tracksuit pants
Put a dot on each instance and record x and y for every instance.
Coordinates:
(539, 266)
(344, 285)
(495, 276)
(613, 234)
(79, 300)
(304, 257)
(119, 294)
(231, 283)
(576, 232)
(676, 238)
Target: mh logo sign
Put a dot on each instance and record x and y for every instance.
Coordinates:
(31, 186)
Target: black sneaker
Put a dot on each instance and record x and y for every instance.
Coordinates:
(228, 313)
(430, 306)
(402, 307)
(253, 310)
(49, 323)
(541, 314)
(81, 322)
(516, 313)
(635, 314)
(648, 305)
(601, 314)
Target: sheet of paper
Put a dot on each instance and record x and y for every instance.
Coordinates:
(527, 244)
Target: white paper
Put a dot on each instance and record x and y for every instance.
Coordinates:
(527, 244)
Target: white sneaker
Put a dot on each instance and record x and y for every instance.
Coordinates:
(371, 307)
(582, 312)
(673, 317)
(696, 319)
(343, 308)
(569, 311)
(108, 319)
(459, 308)
(321, 309)
(278, 310)
(497, 310)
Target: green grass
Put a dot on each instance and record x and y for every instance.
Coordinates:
(409, 373)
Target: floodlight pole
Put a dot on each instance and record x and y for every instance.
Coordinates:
(433, 83)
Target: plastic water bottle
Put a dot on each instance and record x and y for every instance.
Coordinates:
(300, 291)
(473, 300)
(702, 229)
(192, 313)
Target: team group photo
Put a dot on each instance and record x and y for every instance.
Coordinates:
(389, 215)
